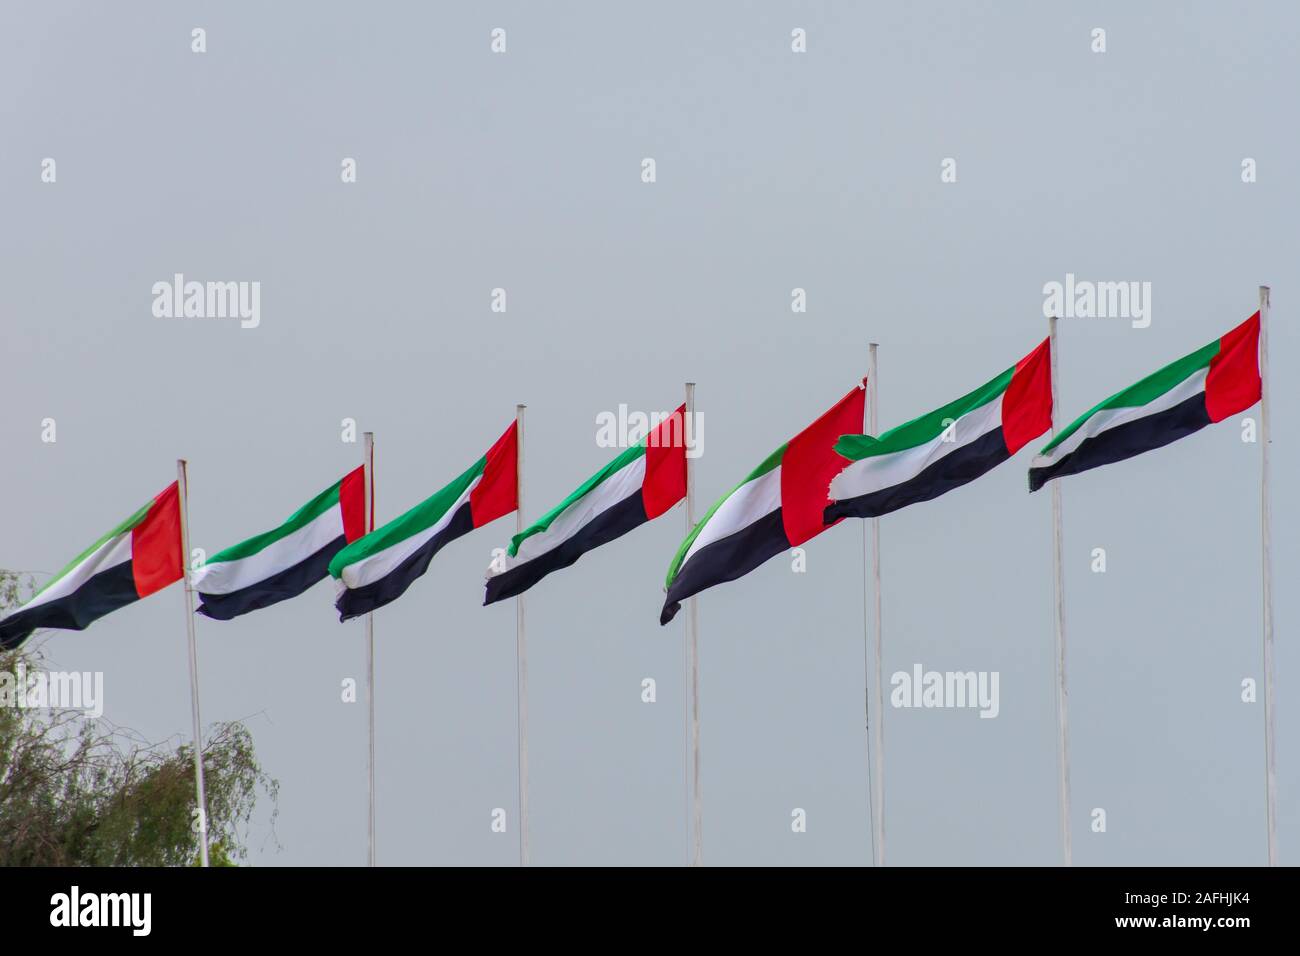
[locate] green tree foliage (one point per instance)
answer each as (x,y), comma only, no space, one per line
(79,792)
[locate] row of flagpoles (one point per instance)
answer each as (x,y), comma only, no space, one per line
(487,474)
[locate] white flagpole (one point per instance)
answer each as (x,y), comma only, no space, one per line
(368,463)
(1266,538)
(693,659)
(521,651)
(182,486)
(1058,567)
(878,734)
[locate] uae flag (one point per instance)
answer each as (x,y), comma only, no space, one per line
(638,485)
(947,448)
(1207,386)
(380,567)
(777,507)
(138,557)
(285,561)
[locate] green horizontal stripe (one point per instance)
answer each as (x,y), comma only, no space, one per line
(420,518)
(308,513)
(1149,388)
(768,464)
(926,428)
(124,527)
(544,522)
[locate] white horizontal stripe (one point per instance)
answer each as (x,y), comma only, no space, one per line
(1110,417)
(110,554)
(379,566)
(622,484)
(870,475)
(748,503)
(225,577)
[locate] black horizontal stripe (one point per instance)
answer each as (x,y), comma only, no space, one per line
(354,602)
(280,586)
(613,522)
(1127,440)
(726,559)
(101,594)
(960,466)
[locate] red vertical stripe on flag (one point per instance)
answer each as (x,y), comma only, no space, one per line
(352,502)
(810,463)
(497,493)
(665,465)
(1027,402)
(1232,385)
(156,559)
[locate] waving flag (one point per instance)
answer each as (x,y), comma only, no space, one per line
(378,568)
(778,506)
(282,563)
(138,557)
(637,486)
(1207,386)
(947,448)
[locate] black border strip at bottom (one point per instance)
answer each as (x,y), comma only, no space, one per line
(978,906)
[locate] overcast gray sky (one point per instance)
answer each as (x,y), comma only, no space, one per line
(775,170)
